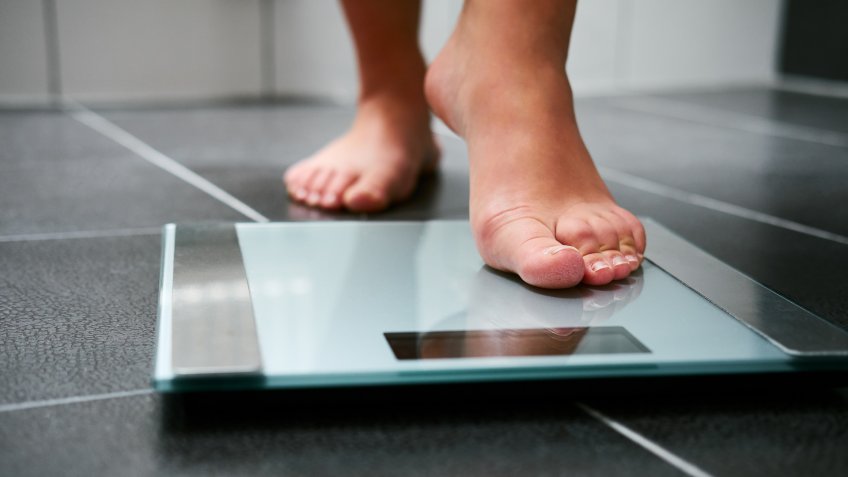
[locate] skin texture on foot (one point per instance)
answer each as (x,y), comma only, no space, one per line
(377,163)
(538,206)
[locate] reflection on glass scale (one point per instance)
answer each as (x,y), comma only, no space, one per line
(505,318)
(382,303)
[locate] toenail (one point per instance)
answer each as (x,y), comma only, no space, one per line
(598,266)
(314,198)
(301,194)
(330,198)
(618,261)
(632,258)
(559,248)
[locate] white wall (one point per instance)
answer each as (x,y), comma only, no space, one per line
(670,43)
(131,49)
(595,45)
(314,55)
(653,44)
(124,50)
(314,52)
(23,56)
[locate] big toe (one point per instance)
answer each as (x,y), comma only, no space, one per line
(528,248)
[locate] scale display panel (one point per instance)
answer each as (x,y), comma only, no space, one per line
(321,304)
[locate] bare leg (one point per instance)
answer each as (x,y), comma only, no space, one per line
(378,161)
(538,206)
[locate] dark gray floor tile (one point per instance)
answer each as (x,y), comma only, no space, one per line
(57,175)
(801,267)
(791,179)
(146,436)
(49,138)
(275,135)
(789,432)
(77,316)
(823,112)
(269,135)
(246,150)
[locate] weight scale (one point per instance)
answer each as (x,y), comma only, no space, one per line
(327,304)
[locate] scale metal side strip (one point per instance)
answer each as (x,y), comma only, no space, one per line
(213,324)
(788,326)
(162,361)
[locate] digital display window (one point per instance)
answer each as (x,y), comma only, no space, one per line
(513,342)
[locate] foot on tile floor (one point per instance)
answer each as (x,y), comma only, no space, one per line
(538,206)
(377,162)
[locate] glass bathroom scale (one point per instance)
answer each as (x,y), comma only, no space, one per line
(324,304)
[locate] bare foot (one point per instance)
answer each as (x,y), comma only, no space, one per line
(376,163)
(538,206)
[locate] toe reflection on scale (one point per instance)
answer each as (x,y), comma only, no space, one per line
(507,318)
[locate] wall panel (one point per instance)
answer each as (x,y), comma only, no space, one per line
(23,58)
(159,49)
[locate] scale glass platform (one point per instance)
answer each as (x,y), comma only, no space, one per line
(323,304)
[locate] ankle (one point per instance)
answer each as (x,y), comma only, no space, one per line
(395,75)
(393,109)
(459,90)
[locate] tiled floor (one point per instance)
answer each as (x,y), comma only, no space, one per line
(756,176)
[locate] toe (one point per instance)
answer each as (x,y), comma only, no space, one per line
(632,237)
(303,190)
(526,246)
(578,233)
(606,233)
(590,235)
(598,271)
(333,193)
(294,180)
(293,174)
(630,253)
(598,239)
(634,259)
(620,265)
(317,185)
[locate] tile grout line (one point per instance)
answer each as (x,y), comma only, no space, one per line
(155,157)
(81,234)
(73,400)
(730,119)
(684,466)
(645,185)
